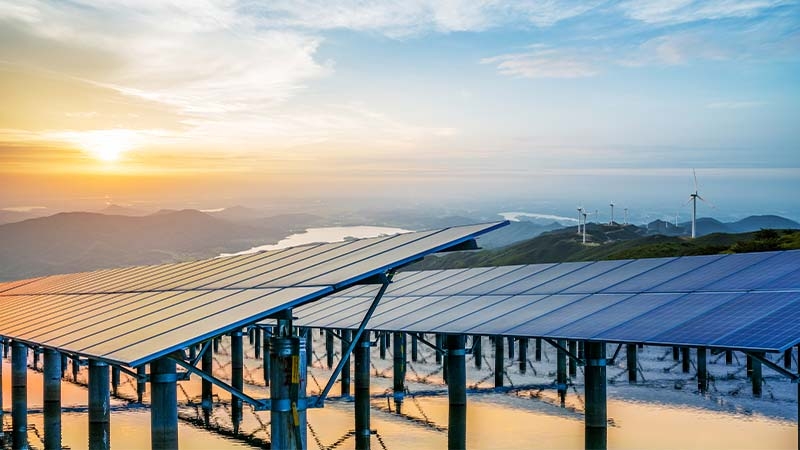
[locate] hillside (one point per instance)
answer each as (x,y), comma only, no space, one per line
(69,242)
(612,242)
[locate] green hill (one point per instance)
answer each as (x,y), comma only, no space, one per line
(612,242)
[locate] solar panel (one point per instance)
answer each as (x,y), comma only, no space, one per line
(477,278)
(544,305)
(705,275)
(572,312)
(778,330)
(617,275)
(765,273)
(586,273)
(540,277)
(134,315)
(455,282)
(494,286)
(673,270)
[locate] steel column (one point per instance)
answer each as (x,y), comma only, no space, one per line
(19,395)
(477,350)
(141,372)
(538,350)
(382,345)
(288,392)
(457,393)
(686,357)
(114,380)
(499,364)
(237,377)
(414,347)
(438,342)
(309,348)
(362,366)
(572,346)
(99,405)
(630,357)
(52,399)
(728,357)
(163,405)
(596,421)
(787,359)
(561,372)
(207,389)
(329,349)
(268,360)
(399,366)
(347,336)
(756,378)
(523,355)
(702,369)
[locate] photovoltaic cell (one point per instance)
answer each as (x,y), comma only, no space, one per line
(519,273)
(540,277)
(673,270)
(778,330)
(763,274)
(589,272)
(572,312)
(705,275)
(539,308)
(617,275)
(477,278)
(456,282)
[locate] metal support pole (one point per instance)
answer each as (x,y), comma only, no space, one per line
(538,350)
(756,378)
(329,348)
(457,393)
(728,357)
(237,377)
(36,353)
(399,366)
(52,400)
(787,359)
(510,347)
(439,345)
(414,347)
(499,365)
(215,345)
(76,368)
(561,372)
(581,351)
(257,342)
(19,395)
(676,353)
(3,354)
(141,371)
(309,347)
(596,421)
(749,366)
(382,345)
(288,390)
(523,355)
(686,359)
(64,361)
(347,336)
(163,405)
(630,356)
(362,392)
(702,369)
(477,350)
(267,338)
(99,406)
(572,346)
(114,380)
(207,389)
(251,336)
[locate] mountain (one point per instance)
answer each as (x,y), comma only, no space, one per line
(70,242)
(708,225)
(515,232)
(117,210)
(237,213)
(755,223)
(611,242)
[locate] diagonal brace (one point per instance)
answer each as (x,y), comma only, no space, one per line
(792,376)
(260,405)
(555,344)
(320,401)
(433,346)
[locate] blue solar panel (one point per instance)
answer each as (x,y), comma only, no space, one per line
(451,282)
(437,311)
(614,315)
(541,277)
(476,278)
(469,322)
(500,324)
(665,317)
(669,271)
(544,325)
(724,319)
(431,277)
(705,275)
(589,272)
(762,274)
(459,315)
(779,330)
(616,276)
(493,286)
(788,281)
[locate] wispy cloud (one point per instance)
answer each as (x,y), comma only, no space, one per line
(542,63)
(685,11)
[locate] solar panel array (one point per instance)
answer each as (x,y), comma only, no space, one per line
(133,315)
(748,301)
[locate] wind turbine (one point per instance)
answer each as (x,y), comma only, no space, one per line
(584,226)
(626,216)
(580,211)
(611,222)
(693,198)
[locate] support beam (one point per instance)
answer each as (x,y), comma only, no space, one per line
(457,393)
(64,361)
(438,343)
(702,369)
(288,389)
(676,353)
(756,377)
(237,377)
(572,346)
(362,392)
(631,357)
(749,366)
(561,372)
(309,348)
(414,347)
(52,400)
(686,358)
(538,350)
(163,405)
(477,350)
(141,373)
(399,372)
(19,395)
(347,336)
(596,420)
(207,389)
(329,348)
(382,345)
(99,406)
(114,380)
(257,342)
(510,347)
(728,357)
(499,364)
(787,359)
(267,338)
(523,355)
(76,368)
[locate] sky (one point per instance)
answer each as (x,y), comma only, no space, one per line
(556,102)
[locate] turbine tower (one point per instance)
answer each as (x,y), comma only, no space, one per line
(580,211)
(693,199)
(584,226)
(611,222)
(626,216)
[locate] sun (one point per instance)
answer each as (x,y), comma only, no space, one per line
(107,146)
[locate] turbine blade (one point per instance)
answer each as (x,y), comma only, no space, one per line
(695,179)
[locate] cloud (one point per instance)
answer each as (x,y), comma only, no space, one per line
(685,11)
(542,63)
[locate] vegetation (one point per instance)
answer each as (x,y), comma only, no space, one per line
(613,242)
